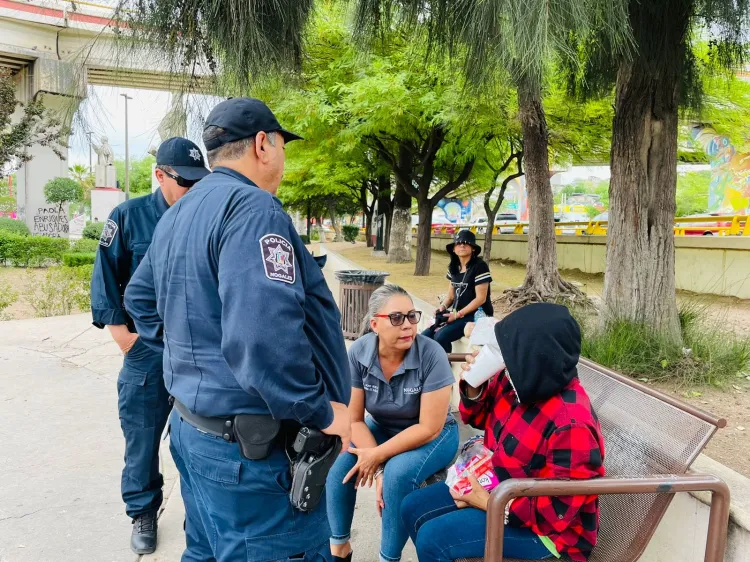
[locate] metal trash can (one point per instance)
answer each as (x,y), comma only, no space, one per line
(356,286)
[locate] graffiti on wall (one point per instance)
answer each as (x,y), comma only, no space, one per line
(729,191)
(50,221)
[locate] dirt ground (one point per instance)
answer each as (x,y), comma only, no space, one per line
(730,446)
(19,279)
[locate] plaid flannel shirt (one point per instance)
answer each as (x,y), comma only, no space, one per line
(558,438)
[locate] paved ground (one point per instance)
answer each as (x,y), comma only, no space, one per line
(61,452)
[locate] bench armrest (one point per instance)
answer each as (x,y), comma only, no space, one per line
(658,483)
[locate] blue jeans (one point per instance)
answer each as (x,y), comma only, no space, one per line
(449,333)
(238,510)
(143,404)
(443,533)
(403,474)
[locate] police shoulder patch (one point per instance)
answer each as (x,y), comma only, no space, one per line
(108,233)
(278,258)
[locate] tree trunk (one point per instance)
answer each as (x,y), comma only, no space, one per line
(639,283)
(399,246)
(487,252)
(368,228)
(385,206)
(424,234)
(309,224)
(334,221)
(543,281)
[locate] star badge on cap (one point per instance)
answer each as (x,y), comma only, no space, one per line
(194,154)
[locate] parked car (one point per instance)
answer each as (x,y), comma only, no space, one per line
(601,217)
(702,228)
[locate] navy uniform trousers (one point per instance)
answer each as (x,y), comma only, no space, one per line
(238,510)
(143,404)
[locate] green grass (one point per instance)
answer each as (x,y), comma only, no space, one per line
(710,354)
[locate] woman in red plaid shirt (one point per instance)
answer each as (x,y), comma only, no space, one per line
(539,423)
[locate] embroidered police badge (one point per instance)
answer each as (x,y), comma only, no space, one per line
(278,258)
(108,233)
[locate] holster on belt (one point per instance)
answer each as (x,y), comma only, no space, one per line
(316,453)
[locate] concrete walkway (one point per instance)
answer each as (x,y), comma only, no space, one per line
(61,453)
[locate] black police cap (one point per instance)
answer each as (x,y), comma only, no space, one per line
(184,157)
(242,118)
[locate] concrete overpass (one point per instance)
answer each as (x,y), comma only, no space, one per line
(57,48)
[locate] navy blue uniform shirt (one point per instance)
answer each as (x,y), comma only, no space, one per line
(125,238)
(240,308)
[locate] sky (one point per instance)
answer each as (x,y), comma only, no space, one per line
(103,114)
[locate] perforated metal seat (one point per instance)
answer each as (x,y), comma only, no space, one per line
(650,440)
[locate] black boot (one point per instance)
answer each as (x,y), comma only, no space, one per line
(347,558)
(143,539)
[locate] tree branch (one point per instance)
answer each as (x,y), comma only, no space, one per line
(454,184)
(507,180)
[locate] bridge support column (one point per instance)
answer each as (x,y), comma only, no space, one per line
(61,92)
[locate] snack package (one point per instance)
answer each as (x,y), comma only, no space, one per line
(474,457)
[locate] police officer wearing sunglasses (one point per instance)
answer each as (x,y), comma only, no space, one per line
(143,400)
(253,349)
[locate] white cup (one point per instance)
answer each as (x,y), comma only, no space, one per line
(486,364)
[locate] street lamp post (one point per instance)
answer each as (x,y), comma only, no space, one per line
(91,162)
(127,150)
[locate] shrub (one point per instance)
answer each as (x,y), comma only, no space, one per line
(305,238)
(33,251)
(14,226)
(62,290)
(93,230)
(78,259)
(7,297)
(84,246)
(709,354)
(351,231)
(314,235)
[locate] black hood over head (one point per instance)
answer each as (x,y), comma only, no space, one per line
(541,344)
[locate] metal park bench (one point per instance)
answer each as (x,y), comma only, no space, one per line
(651,439)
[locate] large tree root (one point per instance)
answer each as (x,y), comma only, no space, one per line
(556,290)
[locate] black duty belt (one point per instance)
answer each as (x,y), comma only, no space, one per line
(219,427)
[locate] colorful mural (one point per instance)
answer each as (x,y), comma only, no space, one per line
(729,192)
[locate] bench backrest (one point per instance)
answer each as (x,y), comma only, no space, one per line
(645,432)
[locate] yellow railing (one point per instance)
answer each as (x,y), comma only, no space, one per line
(732,225)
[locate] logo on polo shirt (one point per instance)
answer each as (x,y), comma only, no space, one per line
(412,390)
(371,387)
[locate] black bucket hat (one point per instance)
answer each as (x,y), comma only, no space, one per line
(464,237)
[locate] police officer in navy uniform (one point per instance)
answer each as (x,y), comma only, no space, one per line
(249,329)
(143,400)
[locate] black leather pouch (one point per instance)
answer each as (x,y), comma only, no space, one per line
(256,435)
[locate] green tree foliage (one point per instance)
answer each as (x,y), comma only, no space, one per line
(692,193)
(140,174)
(36,126)
(521,38)
(83,176)
(370,114)
(63,190)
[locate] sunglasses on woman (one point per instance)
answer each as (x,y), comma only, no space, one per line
(182,182)
(397,318)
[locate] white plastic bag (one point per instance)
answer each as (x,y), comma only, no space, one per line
(484,331)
